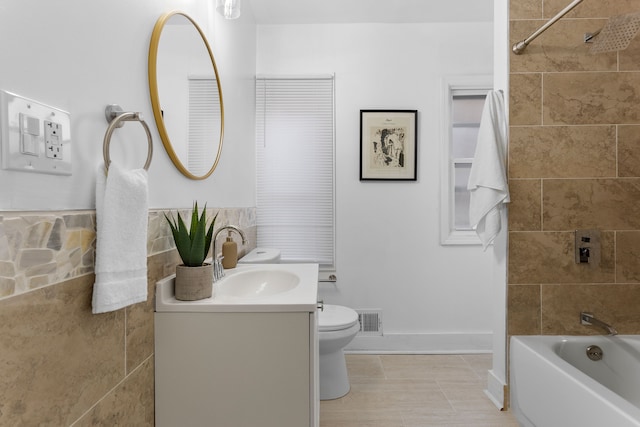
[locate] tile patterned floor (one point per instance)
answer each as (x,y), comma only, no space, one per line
(415,391)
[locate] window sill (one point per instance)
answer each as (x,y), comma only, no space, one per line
(461,238)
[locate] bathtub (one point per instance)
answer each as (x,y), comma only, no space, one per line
(554,383)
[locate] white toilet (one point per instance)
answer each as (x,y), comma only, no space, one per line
(261,256)
(337,326)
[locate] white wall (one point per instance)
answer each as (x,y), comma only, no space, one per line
(81,55)
(433,298)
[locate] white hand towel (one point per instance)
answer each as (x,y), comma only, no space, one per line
(121,238)
(488,178)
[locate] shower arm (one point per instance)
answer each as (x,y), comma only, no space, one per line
(519,47)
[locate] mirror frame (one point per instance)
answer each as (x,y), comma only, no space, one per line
(155,97)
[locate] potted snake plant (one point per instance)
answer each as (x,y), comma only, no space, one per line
(194,277)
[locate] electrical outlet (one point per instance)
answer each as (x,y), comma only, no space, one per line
(53,140)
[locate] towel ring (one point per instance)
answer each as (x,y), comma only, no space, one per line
(115,116)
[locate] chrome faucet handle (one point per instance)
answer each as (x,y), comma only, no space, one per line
(218,269)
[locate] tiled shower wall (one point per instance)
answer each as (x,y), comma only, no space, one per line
(574,163)
(60,364)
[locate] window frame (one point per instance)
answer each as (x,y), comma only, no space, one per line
(471,85)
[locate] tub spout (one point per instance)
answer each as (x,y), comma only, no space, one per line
(588,319)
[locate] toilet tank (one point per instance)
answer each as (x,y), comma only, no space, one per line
(261,256)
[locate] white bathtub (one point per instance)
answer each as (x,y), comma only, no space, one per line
(554,383)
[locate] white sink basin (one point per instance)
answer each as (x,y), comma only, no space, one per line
(250,288)
(256,284)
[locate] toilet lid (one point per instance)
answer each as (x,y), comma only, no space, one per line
(336,317)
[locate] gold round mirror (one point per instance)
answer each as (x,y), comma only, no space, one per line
(186,95)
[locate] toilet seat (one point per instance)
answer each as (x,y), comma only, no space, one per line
(336,318)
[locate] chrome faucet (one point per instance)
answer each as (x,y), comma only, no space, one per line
(588,319)
(218,270)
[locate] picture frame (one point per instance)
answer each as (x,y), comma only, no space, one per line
(388,145)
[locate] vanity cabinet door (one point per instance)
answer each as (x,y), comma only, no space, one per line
(234,369)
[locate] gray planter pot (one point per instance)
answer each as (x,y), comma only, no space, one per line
(194,283)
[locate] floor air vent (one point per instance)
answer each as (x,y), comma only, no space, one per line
(370,322)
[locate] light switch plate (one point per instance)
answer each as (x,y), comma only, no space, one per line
(29,133)
(35,137)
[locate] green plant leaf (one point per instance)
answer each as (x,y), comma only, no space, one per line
(183,242)
(209,238)
(192,243)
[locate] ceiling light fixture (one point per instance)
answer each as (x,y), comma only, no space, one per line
(230,9)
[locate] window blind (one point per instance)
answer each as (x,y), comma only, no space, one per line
(204,124)
(295,168)
(466,111)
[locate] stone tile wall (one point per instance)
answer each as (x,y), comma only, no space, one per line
(61,365)
(574,163)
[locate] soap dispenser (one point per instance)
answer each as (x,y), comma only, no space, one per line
(229,252)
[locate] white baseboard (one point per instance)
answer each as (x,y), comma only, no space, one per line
(495,390)
(422,344)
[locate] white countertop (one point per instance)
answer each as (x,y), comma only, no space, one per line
(303,297)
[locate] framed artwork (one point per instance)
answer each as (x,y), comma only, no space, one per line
(388,145)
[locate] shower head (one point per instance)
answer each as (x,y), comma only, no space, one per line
(616,34)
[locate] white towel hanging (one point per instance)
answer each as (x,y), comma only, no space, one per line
(121,238)
(488,178)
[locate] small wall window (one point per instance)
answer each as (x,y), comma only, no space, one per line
(463,101)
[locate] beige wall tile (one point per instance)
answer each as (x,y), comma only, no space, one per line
(57,358)
(47,248)
(139,327)
(51,247)
(7,286)
(129,404)
(605,204)
(549,257)
(560,48)
(525,9)
(525,209)
(628,257)
(629,151)
(7,269)
(589,180)
(524,309)
(630,57)
(590,9)
(613,304)
(525,99)
(591,98)
(562,152)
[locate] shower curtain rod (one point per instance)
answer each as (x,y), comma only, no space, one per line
(519,47)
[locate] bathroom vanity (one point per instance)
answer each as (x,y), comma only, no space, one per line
(248,356)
